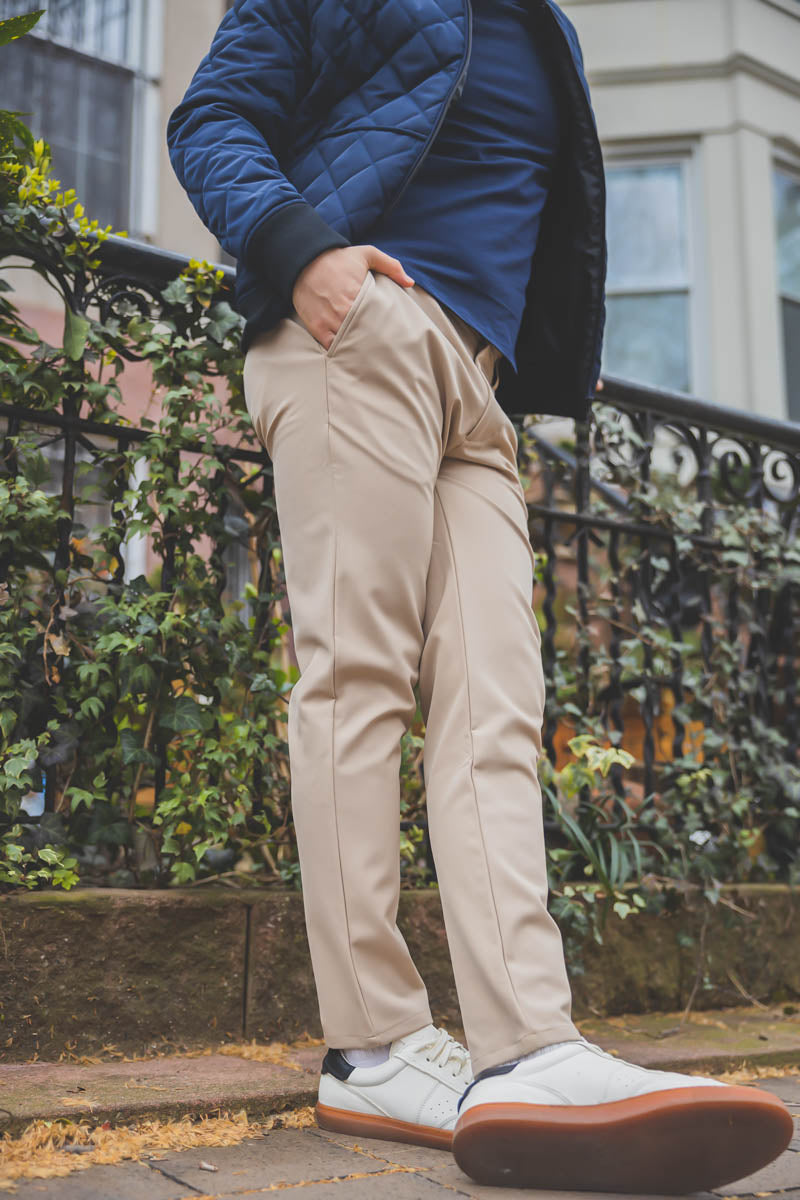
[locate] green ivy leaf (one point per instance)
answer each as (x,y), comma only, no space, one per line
(76,332)
(184,714)
(16,27)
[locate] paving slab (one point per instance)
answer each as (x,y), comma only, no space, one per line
(394,1185)
(779,1176)
(439,1167)
(320,1165)
(395,1153)
(127,1181)
(286,1156)
(788,1088)
(453,1177)
(170,1086)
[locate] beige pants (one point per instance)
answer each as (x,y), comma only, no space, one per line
(407,558)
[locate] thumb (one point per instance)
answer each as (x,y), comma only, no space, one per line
(379,261)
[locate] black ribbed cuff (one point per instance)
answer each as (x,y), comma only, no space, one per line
(287,242)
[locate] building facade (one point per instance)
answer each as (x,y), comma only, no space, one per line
(698,108)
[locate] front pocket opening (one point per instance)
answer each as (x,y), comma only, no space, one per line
(349,315)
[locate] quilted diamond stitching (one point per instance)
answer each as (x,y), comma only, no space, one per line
(228,139)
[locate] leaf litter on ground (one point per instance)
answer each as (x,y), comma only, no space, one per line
(49,1149)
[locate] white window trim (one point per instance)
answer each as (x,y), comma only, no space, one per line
(789,164)
(146,135)
(786,165)
(685,154)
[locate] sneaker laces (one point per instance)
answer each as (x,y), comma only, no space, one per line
(442,1048)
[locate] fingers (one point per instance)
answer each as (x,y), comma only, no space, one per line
(377,260)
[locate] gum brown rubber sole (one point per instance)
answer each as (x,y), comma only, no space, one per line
(665,1142)
(341,1120)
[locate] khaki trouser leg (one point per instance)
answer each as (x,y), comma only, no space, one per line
(407,558)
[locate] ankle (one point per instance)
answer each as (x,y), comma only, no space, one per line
(371,1057)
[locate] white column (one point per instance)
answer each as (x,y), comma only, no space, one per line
(765,390)
(730,364)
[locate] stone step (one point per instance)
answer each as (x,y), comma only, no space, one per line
(285,1076)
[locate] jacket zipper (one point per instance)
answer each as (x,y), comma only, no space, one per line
(453,95)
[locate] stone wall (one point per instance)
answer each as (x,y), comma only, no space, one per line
(187,969)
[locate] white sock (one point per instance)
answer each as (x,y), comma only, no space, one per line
(541,1050)
(367,1058)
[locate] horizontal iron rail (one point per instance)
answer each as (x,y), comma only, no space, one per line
(35,416)
(637,398)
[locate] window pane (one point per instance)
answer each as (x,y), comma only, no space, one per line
(787,216)
(647,340)
(91,135)
(113,29)
(791,340)
(99,27)
(646,227)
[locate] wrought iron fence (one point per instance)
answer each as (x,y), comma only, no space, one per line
(618,556)
(587,505)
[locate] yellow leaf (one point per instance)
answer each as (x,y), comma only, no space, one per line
(59,644)
(183,828)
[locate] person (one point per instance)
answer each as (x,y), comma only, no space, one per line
(414,196)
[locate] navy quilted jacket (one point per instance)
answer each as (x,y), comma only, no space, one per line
(307,119)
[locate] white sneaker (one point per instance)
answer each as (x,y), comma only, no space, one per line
(578,1119)
(412,1097)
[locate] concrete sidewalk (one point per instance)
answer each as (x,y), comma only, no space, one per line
(259,1081)
(270,1078)
(323,1166)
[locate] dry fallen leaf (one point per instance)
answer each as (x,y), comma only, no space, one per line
(42,1150)
(276,1053)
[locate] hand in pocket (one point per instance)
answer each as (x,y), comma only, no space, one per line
(327,287)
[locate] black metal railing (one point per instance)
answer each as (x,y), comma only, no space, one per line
(597,504)
(714,461)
